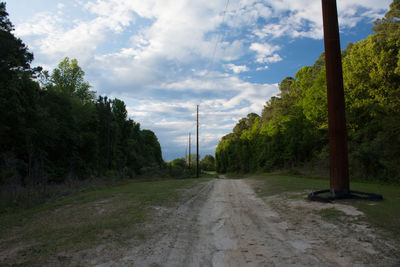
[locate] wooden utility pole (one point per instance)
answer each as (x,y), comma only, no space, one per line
(189,150)
(108,142)
(338,158)
(197,136)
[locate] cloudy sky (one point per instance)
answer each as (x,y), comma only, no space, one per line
(163,57)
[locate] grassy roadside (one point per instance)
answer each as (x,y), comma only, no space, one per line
(382,214)
(44,234)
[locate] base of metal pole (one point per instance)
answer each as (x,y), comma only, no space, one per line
(329,195)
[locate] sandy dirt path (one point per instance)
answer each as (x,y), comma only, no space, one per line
(223,223)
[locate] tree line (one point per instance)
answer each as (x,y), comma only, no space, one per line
(54,129)
(293,127)
(181,168)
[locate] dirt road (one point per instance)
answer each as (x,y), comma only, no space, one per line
(223,223)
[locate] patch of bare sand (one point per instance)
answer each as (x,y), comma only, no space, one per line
(317,206)
(345,240)
(223,223)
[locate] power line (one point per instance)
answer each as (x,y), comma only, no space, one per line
(219,36)
(242,31)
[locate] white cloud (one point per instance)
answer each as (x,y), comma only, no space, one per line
(272,59)
(262,68)
(76,38)
(266,52)
(41,24)
(172,119)
(181,31)
(237,68)
(161,58)
(303,18)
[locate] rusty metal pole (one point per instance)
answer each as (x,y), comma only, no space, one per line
(197,135)
(338,158)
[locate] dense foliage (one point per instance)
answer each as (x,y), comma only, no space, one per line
(180,168)
(292,128)
(52,129)
(207,163)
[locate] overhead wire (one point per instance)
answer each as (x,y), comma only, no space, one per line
(217,42)
(218,36)
(234,23)
(211,64)
(243,27)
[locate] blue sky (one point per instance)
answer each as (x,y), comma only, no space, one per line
(163,57)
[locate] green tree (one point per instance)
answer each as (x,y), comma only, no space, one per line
(371,79)
(14,55)
(293,130)
(19,112)
(53,130)
(68,78)
(208,163)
